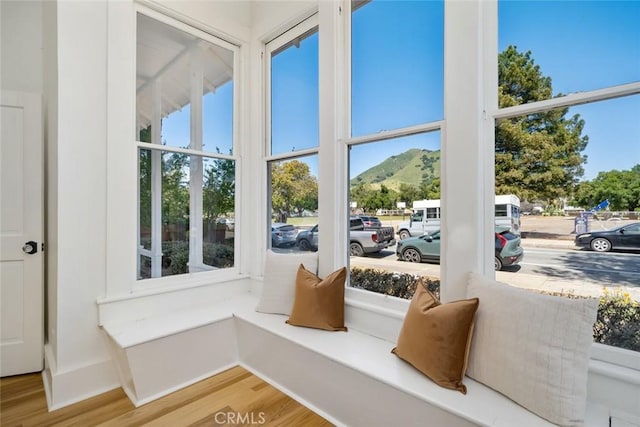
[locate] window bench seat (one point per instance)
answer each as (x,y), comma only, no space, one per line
(350,378)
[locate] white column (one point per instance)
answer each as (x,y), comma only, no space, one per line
(195,162)
(467,152)
(156,180)
(332,158)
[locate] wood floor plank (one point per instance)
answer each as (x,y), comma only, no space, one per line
(234,397)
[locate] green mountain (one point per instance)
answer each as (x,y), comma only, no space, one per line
(412,167)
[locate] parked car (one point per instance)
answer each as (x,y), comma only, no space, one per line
(283,235)
(427,248)
(362,240)
(227,222)
(626,237)
(370,221)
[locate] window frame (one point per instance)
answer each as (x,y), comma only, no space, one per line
(481,18)
(601,352)
(122,154)
(348,141)
(304,27)
(184,280)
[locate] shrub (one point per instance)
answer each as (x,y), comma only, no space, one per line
(617,323)
(218,255)
(175,256)
(401,285)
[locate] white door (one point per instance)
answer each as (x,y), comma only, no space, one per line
(21,221)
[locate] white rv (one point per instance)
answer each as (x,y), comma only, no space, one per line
(426,216)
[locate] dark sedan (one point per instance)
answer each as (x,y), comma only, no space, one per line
(626,237)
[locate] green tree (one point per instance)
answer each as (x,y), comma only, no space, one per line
(219,190)
(538,155)
(621,188)
(408,193)
(371,199)
(293,189)
(431,189)
(175,189)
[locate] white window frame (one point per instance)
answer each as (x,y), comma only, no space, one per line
(606,353)
(347,140)
(471,34)
(122,154)
(211,275)
(305,26)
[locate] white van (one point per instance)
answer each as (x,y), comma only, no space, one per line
(426,216)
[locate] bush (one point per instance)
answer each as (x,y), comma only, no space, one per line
(402,285)
(617,323)
(218,255)
(175,255)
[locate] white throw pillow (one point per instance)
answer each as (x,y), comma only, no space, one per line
(533,348)
(279,286)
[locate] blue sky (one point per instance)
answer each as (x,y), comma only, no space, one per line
(585,45)
(581,45)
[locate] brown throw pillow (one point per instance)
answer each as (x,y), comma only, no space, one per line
(435,337)
(319,303)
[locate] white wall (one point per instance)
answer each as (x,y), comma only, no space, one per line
(50,110)
(78,362)
(21,45)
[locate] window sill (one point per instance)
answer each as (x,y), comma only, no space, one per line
(203,290)
(149,287)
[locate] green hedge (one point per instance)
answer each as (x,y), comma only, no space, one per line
(617,324)
(175,255)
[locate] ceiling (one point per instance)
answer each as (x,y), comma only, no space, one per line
(165,55)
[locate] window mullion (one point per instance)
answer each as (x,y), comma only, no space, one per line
(156,181)
(195,162)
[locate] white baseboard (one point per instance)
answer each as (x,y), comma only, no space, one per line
(63,388)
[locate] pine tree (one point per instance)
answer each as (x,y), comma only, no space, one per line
(537,156)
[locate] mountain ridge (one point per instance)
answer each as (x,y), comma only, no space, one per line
(413,167)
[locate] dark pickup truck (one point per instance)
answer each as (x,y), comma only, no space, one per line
(362,240)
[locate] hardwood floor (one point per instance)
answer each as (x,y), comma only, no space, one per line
(232,398)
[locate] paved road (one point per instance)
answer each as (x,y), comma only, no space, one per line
(556,270)
(610,267)
(549,265)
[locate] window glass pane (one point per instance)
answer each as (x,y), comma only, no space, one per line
(396,64)
(396,181)
(294,95)
(173,68)
(584,46)
(217,132)
(577,173)
(186,211)
(294,204)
